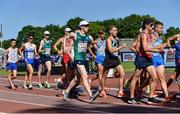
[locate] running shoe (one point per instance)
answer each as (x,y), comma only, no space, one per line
(30,86)
(94,96)
(40,86)
(47,85)
(66,96)
(132,101)
(25,86)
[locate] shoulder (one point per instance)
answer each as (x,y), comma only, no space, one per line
(42,41)
(25,45)
(8,49)
(108,39)
(143,35)
(34,45)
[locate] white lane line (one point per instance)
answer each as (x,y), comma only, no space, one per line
(44,105)
(28,94)
(115,103)
(112,103)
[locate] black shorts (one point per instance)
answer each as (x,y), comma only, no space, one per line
(177,61)
(142,62)
(71,65)
(44,58)
(111,62)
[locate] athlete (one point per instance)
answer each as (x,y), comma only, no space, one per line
(30,52)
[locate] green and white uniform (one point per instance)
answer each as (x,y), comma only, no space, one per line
(80,48)
(45,55)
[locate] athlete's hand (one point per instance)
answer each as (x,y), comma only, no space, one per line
(22,57)
(177,35)
(94,56)
(72,35)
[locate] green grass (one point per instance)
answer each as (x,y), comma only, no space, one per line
(3,72)
(129,67)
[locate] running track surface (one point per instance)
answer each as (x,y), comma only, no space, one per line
(46,100)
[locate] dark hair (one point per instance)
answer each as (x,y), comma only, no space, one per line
(111,27)
(101,31)
(12,40)
(146,22)
(31,34)
(158,23)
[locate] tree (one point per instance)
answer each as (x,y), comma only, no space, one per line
(172,31)
(6,44)
(128,27)
(74,23)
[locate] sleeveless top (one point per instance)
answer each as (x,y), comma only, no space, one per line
(29,51)
(80,46)
(101,46)
(157,42)
(67,44)
(150,44)
(46,47)
(13,55)
(114,44)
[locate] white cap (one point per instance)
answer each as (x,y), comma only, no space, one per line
(67,30)
(84,22)
(46,32)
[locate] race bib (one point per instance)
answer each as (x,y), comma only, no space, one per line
(30,55)
(82,47)
(47,51)
(13,57)
(102,51)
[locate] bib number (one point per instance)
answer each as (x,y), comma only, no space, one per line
(30,55)
(82,47)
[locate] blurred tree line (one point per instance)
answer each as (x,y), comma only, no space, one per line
(128,27)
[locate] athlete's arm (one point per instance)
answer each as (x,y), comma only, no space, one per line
(111,49)
(73,36)
(90,50)
(57,43)
(174,37)
(36,53)
(40,47)
(21,51)
(95,44)
(60,41)
(5,55)
(133,46)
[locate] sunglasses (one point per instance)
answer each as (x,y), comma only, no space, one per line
(151,25)
(46,34)
(31,38)
(86,25)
